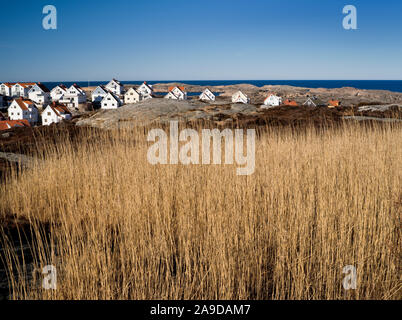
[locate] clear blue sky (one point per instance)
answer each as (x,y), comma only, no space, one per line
(200,40)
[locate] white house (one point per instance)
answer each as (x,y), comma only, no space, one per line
(99,93)
(57,92)
(21,89)
(145,90)
(111,101)
(23,109)
(176,93)
(240,97)
(74,97)
(273,100)
(55,113)
(132,96)
(39,94)
(5,88)
(116,87)
(207,95)
(314,102)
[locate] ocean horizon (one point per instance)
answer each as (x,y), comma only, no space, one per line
(390,85)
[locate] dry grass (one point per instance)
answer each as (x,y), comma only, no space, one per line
(123,229)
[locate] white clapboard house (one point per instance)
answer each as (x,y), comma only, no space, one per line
(240,97)
(23,109)
(145,90)
(207,95)
(132,96)
(58,92)
(21,89)
(111,101)
(74,97)
(116,87)
(273,100)
(5,88)
(55,113)
(176,93)
(39,94)
(314,102)
(99,93)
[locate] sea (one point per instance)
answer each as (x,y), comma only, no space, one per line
(391,85)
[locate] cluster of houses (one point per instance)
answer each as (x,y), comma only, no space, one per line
(113,95)
(25,99)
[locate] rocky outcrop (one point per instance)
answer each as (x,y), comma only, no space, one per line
(163,110)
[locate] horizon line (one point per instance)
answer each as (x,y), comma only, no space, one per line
(172,80)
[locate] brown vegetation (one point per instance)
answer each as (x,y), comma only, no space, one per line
(117,227)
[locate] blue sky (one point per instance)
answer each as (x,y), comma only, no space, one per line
(200,40)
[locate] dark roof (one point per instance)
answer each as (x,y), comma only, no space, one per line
(43,87)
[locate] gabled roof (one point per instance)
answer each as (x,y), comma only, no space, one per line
(271,94)
(146,84)
(114,80)
(241,93)
(182,89)
(61,86)
(106,90)
(316,102)
(23,103)
(77,87)
(26,84)
(113,95)
(132,88)
(59,109)
(205,92)
(9,84)
(8,124)
(43,87)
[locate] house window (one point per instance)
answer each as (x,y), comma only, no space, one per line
(48,113)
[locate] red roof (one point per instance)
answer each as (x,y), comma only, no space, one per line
(8,124)
(334,103)
(26,84)
(9,84)
(23,103)
(181,88)
(59,108)
(290,103)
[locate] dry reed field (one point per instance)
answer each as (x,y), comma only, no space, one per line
(121,228)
